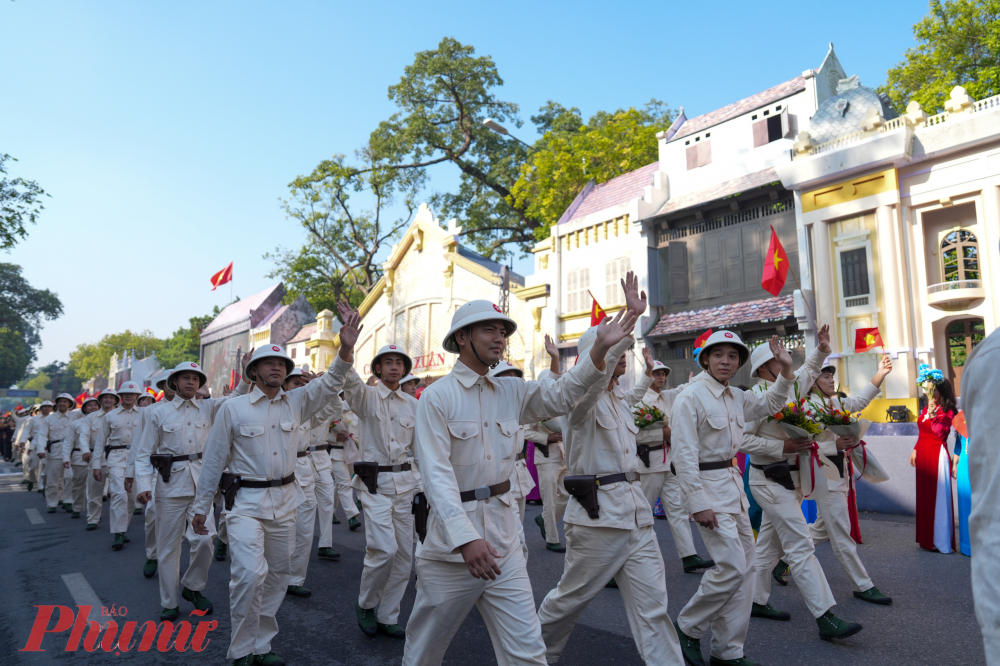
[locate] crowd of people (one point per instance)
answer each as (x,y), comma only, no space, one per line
(441,480)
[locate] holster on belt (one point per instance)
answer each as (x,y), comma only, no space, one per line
(584,489)
(420,510)
(838,460)
(544,448)
(780,473)
(229,484)
(642,450)
(162,463)
(368,472)
(48,449)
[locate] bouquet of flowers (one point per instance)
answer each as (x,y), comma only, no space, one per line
(798,419)
(839,421)
(648,417)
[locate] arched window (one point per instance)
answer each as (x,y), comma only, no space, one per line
(960,256)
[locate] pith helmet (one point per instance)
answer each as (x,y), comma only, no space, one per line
(296,372)
(161,379)
(47,402)
(394,349)
(409,378)
(506,366)
(723,338)
(89,398)
(269,351)
(586,341)
(659,366)
(66,396)
(471,313)
(761,355)
(828,364)
(130,387)
(186,366)
(112,393)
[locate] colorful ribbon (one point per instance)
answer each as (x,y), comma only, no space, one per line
(813,459)
(864,457)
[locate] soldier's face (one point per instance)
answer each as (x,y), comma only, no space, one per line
(294,382)
(63,405)
(489,337)
(827,383)
(145,401)
(90,407)
(128,399)
(46,410)
(723,361)
(659,378)
(168,394)
(272,370)
(621,366)
(107,402)
(392,367)
(187,384)
(410,387)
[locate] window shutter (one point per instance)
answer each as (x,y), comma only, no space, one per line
(786,125)
(760,133)
(692,157)
(704,153)
(677,257)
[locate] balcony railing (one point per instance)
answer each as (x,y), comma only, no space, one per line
(955,295)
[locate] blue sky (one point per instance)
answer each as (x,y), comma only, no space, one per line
(167,132)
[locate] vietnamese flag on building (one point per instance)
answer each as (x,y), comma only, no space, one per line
(223,276)
(775,266)
(596,312)
(867,338)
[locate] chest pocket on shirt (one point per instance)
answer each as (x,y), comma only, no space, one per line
(202,424)
(718,422)
(287,426)
(607,422)
(115,431)
(508,437)
(172,435)
(632,427)
(406,424)
(464,450)
(250,438)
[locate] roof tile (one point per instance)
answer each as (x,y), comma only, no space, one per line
(735,109)
(616,191)
(697,321)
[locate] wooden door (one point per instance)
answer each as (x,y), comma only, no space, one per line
(962,336)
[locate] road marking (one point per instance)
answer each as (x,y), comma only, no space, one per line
(34,516)
(83,594)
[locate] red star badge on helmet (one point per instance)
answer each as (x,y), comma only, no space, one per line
(497,308)
(275,349)
(729,335)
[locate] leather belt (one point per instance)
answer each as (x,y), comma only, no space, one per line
(320,447)
(271,483)
(521,456)
(188,456)
(301,454)
(658,447)
(74,450)
(109,449)
(335,446)
(718,464)
(631,477)
(405,467)
(485,492)
(791,468)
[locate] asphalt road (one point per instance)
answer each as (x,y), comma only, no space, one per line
(931,622)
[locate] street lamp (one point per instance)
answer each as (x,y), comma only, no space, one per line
(489,123)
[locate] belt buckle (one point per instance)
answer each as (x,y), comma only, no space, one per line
(630,476)
(483,493)
(274,483)
(397,468)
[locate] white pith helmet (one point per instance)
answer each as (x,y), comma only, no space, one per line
(269,351)
(659,366)
(47,402)
(111,392)
(186,366)
(586,341)
(147,394)
(67,396)
(130,387)
(761,355)
(472,313)
(89,398)
(409,378)
(296,372)
(506,366)
(161,379)
(724,338)
(393,349)
(828,363)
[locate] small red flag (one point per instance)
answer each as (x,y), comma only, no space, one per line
(775,266)
(223,276)
(867,338)
(700,342)
(596,313)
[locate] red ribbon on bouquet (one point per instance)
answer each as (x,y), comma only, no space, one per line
(813,459)
(864,457)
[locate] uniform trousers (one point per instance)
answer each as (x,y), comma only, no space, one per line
(783,528)
(344,494)
(446,592)
(95,496)
(833,524)
(54,481)
(664,485)
(389,552)
(595,555)
(325,498)
(172,526)
(261,553)
(149,520)
(78,487)
(32,467)
(69,474)
(305,524)
(554,496)
(24,465)
(223,531)
(725,596)
(122,502)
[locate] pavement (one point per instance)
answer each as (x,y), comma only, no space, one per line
(49,559)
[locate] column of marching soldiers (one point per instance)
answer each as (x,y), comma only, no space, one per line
(277,455)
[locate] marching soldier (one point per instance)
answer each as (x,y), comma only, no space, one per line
(325,488)
(467,423)
(707,431)
(384,477)
(49,439)
(89,438)
(118,428)
(657,469)
(79,457)
(254,436)
(521,484)
(33,462)
(343,441)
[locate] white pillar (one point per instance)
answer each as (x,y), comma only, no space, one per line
(897,385)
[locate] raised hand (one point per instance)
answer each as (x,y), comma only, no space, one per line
(823,339)
(351,329)
(550,346)
(784,358)
(610,332)
(647,356)
(634,300)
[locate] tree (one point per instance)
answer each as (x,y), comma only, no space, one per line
(185,343)
(958,45)
(93,359)
(63,379)
(20,204)
(22,311)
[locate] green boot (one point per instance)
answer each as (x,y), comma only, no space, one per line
(52,509)
(742,661)
(24,481)
(137,511)
(75,514)
(690,648)
(778,573)
(149,568)
(613,584)
(328,554)
(91,527)
(391,630)
(873,596)
(221,550)
(353,524)
(298,591)
(366,620)
(769,612)
(541,525)
(67,507)
(244,661)
(200,601)
(170,614)
(692,563)
(357,503)
(31,485)
(336,521)
(125,536)
(119,542)
(831,626)
(555,547)
(269,659)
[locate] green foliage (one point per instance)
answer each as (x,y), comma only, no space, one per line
(571,153)
(63,379)
(958,44)
(20,204)
(185,343)
(92,359)
(315,274)
(22,311)
(39,382)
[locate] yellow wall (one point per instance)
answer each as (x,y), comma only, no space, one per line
(876,409)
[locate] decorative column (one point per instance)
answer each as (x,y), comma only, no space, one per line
(897,385)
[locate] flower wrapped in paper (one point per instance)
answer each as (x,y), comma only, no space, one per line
(647,417)
(838,421)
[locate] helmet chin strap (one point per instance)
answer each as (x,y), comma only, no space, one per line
(478,357)
(258,378)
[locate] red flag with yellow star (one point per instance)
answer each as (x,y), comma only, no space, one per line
(775,266)
(222,277)
(597,313)
(866,339)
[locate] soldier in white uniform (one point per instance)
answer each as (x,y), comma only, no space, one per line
(467,423)
(521,483)
(658,476)
(32,461)
(707,430)
(550,462)
(118,429)
(409,385)
(322,468)
(79,457)
(89,436)
(343,441)
(254,435)
(49,441)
